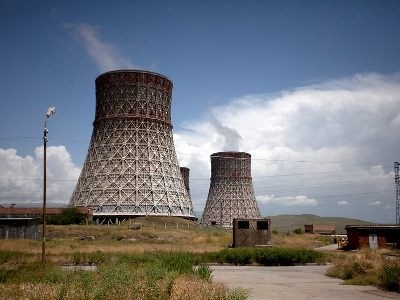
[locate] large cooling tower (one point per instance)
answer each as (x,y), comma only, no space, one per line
(131,168)
(231,193)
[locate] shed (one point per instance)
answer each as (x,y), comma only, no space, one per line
(373,236)
(321,229)
(251,232)
(19,228)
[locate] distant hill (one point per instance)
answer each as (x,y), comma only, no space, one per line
(285,223)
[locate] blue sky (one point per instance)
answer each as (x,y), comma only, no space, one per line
(294,83)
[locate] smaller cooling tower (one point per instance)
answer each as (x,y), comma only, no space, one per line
(231,193)
(185,176)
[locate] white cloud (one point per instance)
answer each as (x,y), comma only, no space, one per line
(334,142)
(105,54)
(21,178)
(288,200)
(343,202)
(375,203)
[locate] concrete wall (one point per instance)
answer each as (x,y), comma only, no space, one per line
(19,228)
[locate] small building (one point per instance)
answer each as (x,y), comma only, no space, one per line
(320,229)
(251,232)
(37,212)
(373,236)
(19,228)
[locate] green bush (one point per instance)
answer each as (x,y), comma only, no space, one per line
(204,272)
(390,276)
(78,258)
(264,256)
(96,257)
(238,256)
(298,231)
(68,216)
(180,262)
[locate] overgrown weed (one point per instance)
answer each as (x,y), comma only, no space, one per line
(157,275)
(367,267)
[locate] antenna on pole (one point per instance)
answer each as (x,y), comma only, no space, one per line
(397,183)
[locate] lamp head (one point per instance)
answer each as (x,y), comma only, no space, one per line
(50,111)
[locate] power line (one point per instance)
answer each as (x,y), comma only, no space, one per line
(16,138)
(264,159)
(207,179)
(35,179)
(315,173)
(355,194)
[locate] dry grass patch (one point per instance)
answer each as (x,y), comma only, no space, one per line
(156,234)
(37,291)
(305,240)
(367,267)
(190,288)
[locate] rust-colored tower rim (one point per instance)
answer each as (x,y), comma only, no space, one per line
(155,106)
(230,165)
(134,71)
(231,154)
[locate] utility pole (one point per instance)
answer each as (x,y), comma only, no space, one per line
(397,183)
(49,113)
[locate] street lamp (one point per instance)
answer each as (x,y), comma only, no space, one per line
(50,112)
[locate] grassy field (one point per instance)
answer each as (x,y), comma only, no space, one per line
(155,234)
(165,234)
(154,262)
(157,261)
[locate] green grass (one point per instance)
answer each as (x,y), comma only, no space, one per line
(127,276)
(204,272)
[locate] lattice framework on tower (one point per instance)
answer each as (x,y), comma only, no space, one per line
(131,167)
(231,193)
